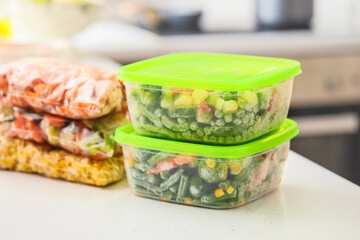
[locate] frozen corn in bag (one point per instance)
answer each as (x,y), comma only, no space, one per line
(26,156)
(61,88)
(91,137)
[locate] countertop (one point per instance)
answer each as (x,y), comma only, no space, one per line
(126,43)
(312,203)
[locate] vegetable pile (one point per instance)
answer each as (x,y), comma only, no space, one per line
(216,117)
(204,181)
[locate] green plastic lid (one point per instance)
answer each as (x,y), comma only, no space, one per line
(210,71)
(127,136)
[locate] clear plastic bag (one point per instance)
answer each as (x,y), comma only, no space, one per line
(26,156)
(61,88)
(91,137)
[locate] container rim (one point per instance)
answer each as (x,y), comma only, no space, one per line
(126,135)
(256,74)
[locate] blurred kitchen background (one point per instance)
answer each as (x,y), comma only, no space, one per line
(324,35)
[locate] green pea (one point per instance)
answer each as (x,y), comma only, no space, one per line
(194,126)
(218,113)
(200,132)
(220,122)
(207,130)
(237,121)
(181,120)
(240,113)
(228,117)
(223,185)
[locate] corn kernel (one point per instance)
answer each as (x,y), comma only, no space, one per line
(210,163)
(188,200)
(163,197)
(219,192)
(230,190)
(56,163)
(131,162)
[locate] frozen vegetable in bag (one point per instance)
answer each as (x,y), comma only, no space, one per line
(61,88)
(26,156)
(90,137)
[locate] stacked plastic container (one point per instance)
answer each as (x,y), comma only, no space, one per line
(207,129)
(58,119)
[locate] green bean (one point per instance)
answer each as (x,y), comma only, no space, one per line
(164,175)
(142,109)
(136,174)
(183,186)
(174,126)
(157,158)
(142,166)
(211,198)
(213,174)
(174,188)
(155,131)
(153,179)
(165,185)
(197,187)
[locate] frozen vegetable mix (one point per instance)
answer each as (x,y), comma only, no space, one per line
(209,98)
(26,156)
(89,137)
(203,175)
(58,119)
(61,88)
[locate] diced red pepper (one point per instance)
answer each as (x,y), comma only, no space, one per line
(204,107)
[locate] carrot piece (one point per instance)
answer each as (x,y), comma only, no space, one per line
(183,159)
(166,164)
(128,153)
(99,156)
(64,109)
(54,121)
(41,89)
(87,106)
(30,94)
(178,90)
(19,122)
(154,171)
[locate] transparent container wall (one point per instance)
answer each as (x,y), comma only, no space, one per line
(90,137)
(26,156)
(204,181)
(215,117)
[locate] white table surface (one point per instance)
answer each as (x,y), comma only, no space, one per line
(312,203)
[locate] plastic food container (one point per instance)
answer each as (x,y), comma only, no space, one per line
(209,98)
(89,137)
(27,156)
(203,175)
